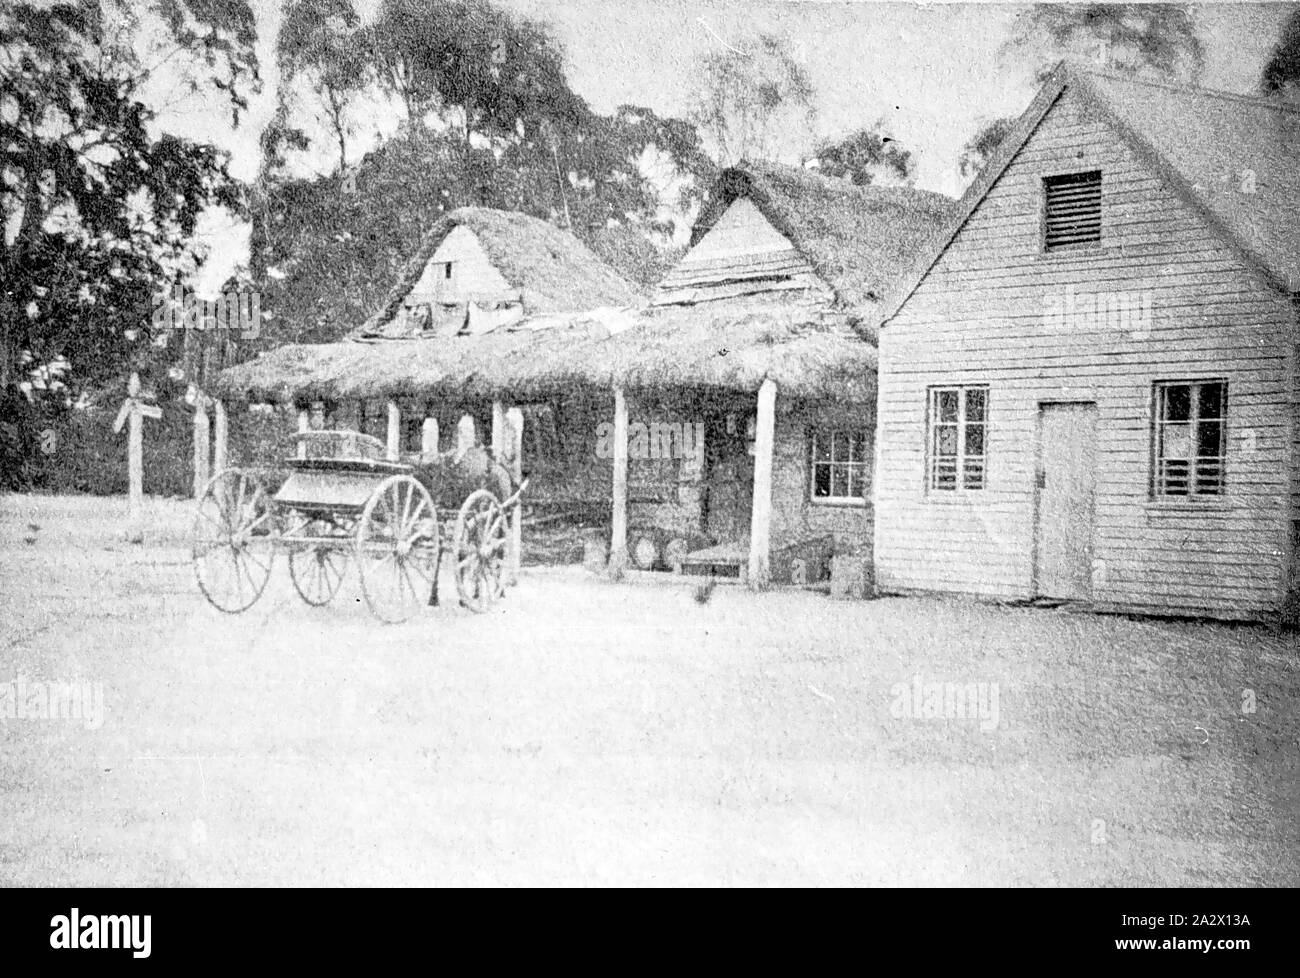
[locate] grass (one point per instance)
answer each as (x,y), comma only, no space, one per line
(588,732)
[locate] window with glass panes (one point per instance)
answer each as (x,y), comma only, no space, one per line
(841,465)
(1188,443)
(958,422)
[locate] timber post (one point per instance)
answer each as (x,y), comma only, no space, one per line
(393,443)
(618,529)
(202,443)
(515,426)
(760,523)
(466,436)
(220,436)
(429,435)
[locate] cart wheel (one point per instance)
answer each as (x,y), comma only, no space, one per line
(234,540)
(317,573)
(480,550)
(397,548)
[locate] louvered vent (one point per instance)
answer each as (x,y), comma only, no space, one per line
(1073,210)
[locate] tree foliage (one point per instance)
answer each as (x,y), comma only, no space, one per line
(98,209)
(1154,39)
(1281,74)
(492,122)
(471,63)
(866,156)
(322,45)
(751,97)
(982,145)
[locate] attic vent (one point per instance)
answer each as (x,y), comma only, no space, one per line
(1072,211)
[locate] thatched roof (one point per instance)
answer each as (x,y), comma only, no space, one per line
(728,346)
(860,240)
(1234,160)
(553,271)
(584,326)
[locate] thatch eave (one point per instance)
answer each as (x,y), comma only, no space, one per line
(731,348)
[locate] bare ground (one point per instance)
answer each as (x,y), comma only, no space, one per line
(595,733)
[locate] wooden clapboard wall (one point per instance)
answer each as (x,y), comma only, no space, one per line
(473,276)
(978,317)
(741,254)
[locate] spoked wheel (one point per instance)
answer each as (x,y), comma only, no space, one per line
(234,535)
(397,548)
(480,551)
(317,573)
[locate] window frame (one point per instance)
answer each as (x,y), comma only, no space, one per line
(1191,497)
(1077,248)
(865,466)
(959,487)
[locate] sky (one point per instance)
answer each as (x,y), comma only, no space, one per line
(931,73)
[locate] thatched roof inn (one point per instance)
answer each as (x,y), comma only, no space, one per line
(785,270)
(566,318)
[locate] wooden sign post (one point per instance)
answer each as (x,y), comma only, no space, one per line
(133,409)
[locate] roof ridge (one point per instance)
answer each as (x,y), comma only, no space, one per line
(1187,88)
(758,167)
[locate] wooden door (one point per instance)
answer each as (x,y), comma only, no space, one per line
(729,479)
(1067,458)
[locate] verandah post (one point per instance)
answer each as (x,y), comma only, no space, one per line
(760,523)
(393,444)
(202,443)
(429,434)
(498,428)
(220,436)
(466,434)
(515,425)
(507,426)
(618,531)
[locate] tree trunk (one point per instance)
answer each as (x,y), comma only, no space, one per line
(336,120)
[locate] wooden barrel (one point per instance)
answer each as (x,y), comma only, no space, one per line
(645,551)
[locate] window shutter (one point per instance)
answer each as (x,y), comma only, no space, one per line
(1073,209)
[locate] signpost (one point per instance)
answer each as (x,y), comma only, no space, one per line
(133,410)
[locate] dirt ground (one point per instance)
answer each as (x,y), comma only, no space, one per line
(587,732)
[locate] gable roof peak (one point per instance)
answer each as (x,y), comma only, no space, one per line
(553,271)
(1193,139)
(859,239)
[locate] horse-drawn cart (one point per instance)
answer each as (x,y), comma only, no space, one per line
(344,501)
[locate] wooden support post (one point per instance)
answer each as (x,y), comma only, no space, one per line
(202,444)
(304,424)
(499,439)
(515,425)
(760,522)
(429,436)
(505,448)
(618,532)
(393,444)
(220,437)
(466,436)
